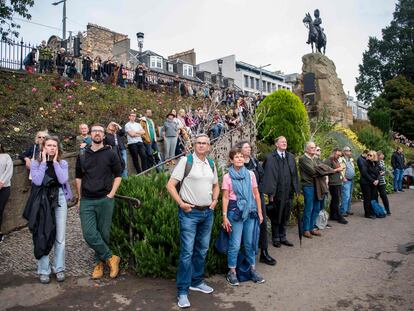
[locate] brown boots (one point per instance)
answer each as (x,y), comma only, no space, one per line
(113,264)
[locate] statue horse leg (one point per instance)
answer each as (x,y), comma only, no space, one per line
(312,45)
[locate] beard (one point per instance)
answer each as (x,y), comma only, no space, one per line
(97,139)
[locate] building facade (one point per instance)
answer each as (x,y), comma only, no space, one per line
(359,109)
(246,77)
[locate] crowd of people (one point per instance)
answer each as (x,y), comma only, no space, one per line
(400,138)
(252,194)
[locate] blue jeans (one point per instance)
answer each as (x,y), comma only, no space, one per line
(240,229)
(312,208)
(43,264)
(216,129)
(125,157)
(398,178)
(195,232)
(150,148)
(346,197)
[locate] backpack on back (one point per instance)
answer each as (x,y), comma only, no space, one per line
(188,166)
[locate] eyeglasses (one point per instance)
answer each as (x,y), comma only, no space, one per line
(203,143)
(97,131)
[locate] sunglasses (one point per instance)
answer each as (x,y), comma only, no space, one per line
(318,149)
(41,137)
(370,155)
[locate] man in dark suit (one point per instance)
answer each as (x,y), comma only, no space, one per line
(365,182)
(280,183)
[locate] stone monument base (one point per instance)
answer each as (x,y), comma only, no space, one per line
(321,90)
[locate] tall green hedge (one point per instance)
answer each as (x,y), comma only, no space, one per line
(153,248)
(283,113)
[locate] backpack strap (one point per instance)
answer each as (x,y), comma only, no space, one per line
(188,166)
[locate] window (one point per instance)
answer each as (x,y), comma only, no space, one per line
(269,87)
(257,84)
(156,62)
(187,70)
(251,82)
(170,67)
(264,86)
(246,81)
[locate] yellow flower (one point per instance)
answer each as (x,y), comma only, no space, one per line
(93,88)
(351,135)
(80,103)
(16,129)
(41,109)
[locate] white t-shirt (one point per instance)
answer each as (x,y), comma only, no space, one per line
(197,187)
(134,126)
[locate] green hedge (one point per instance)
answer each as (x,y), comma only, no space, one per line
(153,249)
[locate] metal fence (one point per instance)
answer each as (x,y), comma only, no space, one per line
(13,53)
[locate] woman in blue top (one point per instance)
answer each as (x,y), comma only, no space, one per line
(241,214)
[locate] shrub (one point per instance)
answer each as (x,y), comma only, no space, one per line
(373,138)
(283,113)
(148,238)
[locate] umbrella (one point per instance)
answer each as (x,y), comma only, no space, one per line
(300,231)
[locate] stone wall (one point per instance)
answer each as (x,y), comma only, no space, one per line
(100,41)
(12,218)
(328,97)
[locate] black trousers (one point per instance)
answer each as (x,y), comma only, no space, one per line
(383,194)
(4,196)
(279,217)
(367,197)
(138,149)
(335,191)
(263,225)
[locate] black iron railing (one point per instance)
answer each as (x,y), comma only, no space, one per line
(12,54)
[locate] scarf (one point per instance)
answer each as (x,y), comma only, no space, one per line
(242,187)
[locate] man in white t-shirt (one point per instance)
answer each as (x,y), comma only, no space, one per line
(197,199)
(136,146)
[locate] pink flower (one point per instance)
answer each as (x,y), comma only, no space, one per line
(34,90)
(70,97)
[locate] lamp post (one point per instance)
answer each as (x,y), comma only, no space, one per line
(140,38)
(220,71)
(64,17)
(261,78)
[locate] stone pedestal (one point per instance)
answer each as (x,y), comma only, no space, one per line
(321,90)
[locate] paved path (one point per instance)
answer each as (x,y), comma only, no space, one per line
(365,265)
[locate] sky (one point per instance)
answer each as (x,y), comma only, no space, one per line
(258,32)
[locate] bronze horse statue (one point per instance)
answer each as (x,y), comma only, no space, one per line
(316,34)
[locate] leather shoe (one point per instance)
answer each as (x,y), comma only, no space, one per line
(316,232)
(276,244)
(266,258)
(370,216)
(287,243)
(342,221)
(307,234)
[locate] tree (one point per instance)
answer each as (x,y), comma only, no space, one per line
(394,108)
(283,114)
(389,57)
(8,9)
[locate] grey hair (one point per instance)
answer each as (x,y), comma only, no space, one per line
(202,135)
(308,144)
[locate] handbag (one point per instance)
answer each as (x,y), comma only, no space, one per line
(378,209)
(322,219)
(222,242)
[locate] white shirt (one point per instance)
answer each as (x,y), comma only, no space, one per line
(136,127)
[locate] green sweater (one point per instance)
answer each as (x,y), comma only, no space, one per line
(307,170)
(334,179)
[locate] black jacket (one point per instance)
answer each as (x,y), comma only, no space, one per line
(373,170)
(110,139)
(97,169)
(28,153)
(397,161)
(40,213)
(270,179)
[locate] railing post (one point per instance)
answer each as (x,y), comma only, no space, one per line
(21,54)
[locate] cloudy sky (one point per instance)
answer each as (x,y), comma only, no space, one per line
(257,32)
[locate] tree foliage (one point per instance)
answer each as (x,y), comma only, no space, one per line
(283,113)
(8,10)
(391,56)
(394,108)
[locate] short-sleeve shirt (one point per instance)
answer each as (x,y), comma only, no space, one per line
(227,185)
(197,187)
(134,126)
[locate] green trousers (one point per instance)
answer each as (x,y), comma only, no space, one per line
(96,220)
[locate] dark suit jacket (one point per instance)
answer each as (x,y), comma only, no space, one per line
(271,176)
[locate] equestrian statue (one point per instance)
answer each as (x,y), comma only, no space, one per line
(316,34)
